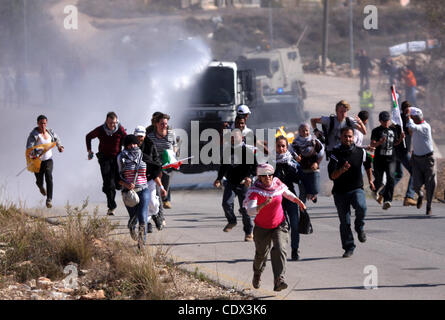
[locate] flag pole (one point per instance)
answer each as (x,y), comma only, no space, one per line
(397,107)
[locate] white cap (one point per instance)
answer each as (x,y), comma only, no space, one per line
(415,112)
(243,110)
(139,131)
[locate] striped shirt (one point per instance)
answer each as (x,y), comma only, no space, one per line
(165,143)
(127,168)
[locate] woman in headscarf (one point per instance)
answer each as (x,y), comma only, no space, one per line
(130,163)
(310,151)
(263,200)
(288,171)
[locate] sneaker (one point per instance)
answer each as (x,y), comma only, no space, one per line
(348,253)
(110,212)
(256,281)
(149,228)
(295,255)
(133,233)
(280,285)
(386,205)
(49,204)
(409,202)
(379,199)
(158,222)
(428,211)
(314,200)
(229,227)
(419,201)
(42,190)
(248,237)
(167,205)
(362,236)
(141,237)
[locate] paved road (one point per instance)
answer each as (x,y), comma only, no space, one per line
(406,247)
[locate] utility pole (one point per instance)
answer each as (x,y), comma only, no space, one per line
(325,34)
(271,25)
(351,35)
(25,34)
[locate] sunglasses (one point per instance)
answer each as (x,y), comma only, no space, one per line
(266,175)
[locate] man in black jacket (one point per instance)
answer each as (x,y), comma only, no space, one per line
(345,169)
(238,170)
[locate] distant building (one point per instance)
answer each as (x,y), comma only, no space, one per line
(216,4)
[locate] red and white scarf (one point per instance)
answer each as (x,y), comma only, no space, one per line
(277,188)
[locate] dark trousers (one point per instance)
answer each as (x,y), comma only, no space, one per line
(364,80)
(424,173)
(230,192)
(110,177)
(403,159)
(383,166)
(165,180)
(344,201)
(293,212)
(46,171)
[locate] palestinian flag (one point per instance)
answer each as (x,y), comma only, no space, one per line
(169,160)
(370,156)
(34,154)
(396,118)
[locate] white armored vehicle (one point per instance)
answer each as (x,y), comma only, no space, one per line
(279,86)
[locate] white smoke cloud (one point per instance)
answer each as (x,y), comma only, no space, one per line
(133,71)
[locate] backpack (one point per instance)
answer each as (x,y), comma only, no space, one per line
(327,132)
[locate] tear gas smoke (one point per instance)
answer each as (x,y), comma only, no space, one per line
(133,70)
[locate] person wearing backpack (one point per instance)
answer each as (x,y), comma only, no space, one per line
(332,125)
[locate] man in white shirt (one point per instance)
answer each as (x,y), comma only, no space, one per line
(39,136)
(333,124)
(422,160)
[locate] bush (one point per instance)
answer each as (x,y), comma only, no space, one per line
(35,248)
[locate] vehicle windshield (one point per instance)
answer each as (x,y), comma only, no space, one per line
(215,86)
(260,66)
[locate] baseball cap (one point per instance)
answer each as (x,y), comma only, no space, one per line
(139,131)
(384,116)
(415,112)
(243,110)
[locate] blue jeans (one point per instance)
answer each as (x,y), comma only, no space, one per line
(230,191)
(139,213)
(398,174)
(293,212)
(310,184)
(343,201)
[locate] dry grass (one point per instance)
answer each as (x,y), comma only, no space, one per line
(31,248)
(35,248)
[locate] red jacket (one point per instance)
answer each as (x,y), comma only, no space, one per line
(110,146)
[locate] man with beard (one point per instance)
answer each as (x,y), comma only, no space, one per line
(345,169)
(110,135)
(238,171)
